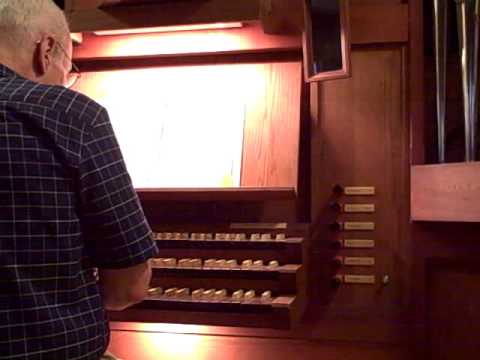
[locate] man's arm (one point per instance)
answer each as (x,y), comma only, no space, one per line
(117,236)
(122,288)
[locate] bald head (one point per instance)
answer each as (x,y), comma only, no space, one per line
(35,37)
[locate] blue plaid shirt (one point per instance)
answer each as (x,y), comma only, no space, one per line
(67,205)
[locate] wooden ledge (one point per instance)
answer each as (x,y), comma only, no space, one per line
(229,244)
(217,194)
(446,192)
(237,273)
(281,313)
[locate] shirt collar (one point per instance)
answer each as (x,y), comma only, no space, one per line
(7,72)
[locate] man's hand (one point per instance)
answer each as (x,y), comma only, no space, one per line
(122,288)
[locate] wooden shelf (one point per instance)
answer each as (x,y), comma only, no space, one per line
(260,273)
(282,313)
(446,192)
(284,255)
(85,16)
(225,244)
(284,280)
(288,251)
(217,194)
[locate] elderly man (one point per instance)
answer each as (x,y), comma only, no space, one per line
(67,205)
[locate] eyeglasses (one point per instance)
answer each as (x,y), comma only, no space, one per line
(74,74)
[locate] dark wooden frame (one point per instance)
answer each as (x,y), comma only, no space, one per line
(345,71)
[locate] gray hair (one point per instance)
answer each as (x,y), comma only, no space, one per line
(26,20)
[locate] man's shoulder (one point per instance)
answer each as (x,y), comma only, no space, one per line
(56,98)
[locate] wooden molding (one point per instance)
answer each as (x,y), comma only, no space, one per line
(365,20)
(219,194)
(446,192)
(249,38)
(171,13)
(282,16)
(379,23)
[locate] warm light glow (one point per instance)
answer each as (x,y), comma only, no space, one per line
(175,346)
(181,126)
(175,43)
(150,30)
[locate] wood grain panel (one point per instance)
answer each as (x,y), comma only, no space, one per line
(379,23)
(454,336)
(447,192)
(154,346)
(269,96)
(249,38)
(361,138)
(272,127)
(282,16)
(217,194)
(88,18)
(366,20)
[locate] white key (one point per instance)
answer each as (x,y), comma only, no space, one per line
(177,236)
(266,296)
(196,263)
(280,237)
(208,294)
(210,263)
(266,237)
(238,237)
(201,236)
(156,262)
(197,294)
(232,264)
(238,295)
(172,292)
(247,264)
(221,263)
(170,262)
(220,295)
(182,293)
(168,236)
(155,291)
(219,236)
(255,237)
(273,264)
(184,263)
(208,236)
(249,295)
(258,264)
(184,236)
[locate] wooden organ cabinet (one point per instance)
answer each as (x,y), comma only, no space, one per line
(238,269)
(231,239)
(322,170)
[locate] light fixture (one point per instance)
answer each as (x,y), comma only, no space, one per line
(148,30)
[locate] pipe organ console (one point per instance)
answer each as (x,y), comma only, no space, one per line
(229,274)
(267,240)
(235,157)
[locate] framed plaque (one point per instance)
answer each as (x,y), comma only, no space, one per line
(326,40)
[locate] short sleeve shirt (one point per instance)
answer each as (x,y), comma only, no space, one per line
(67,206)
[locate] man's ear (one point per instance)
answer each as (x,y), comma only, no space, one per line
(43,55)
